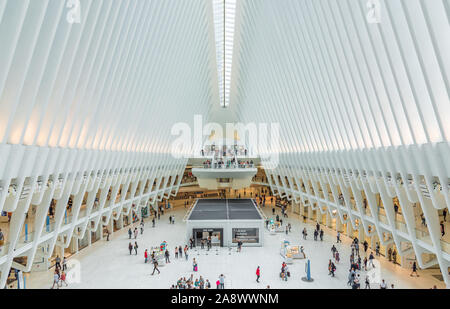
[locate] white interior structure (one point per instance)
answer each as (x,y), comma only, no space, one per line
(93,94)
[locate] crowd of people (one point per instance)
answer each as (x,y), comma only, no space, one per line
(59,275)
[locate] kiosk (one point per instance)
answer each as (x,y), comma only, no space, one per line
(226,221)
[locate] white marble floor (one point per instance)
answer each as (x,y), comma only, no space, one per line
(109,264)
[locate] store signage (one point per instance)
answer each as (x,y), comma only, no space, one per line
(246,235)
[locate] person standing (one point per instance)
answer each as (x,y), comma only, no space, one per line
(135,247)
(321,235)
(186,252)
(62,279)
(371,257)
(130,247)
(180,251)
(166,254)
(129,233)
(146,256)
(222,281)
(258,274)
(58,262)
(338,237)
(176,252)
(194,265)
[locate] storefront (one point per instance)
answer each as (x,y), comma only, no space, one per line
(215,234)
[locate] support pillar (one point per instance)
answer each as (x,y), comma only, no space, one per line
(328,220)
(361,234)
(89,237)
(349,229)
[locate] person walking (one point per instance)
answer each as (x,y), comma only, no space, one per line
(414,269)
(129,233)
(155,267)
(338,237)
(62,279)
(258,274)
(180,251)
(367,286)
(64,264)
(55,279)
(145,256)
(135,247)
(130,247)
(304,233)
(176,252)
(321,235)
(333,251)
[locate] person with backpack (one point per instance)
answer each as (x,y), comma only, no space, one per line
(155,267)
(258,274)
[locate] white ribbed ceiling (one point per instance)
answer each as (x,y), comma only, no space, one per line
(118,80)
(131,69)
(336,82)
